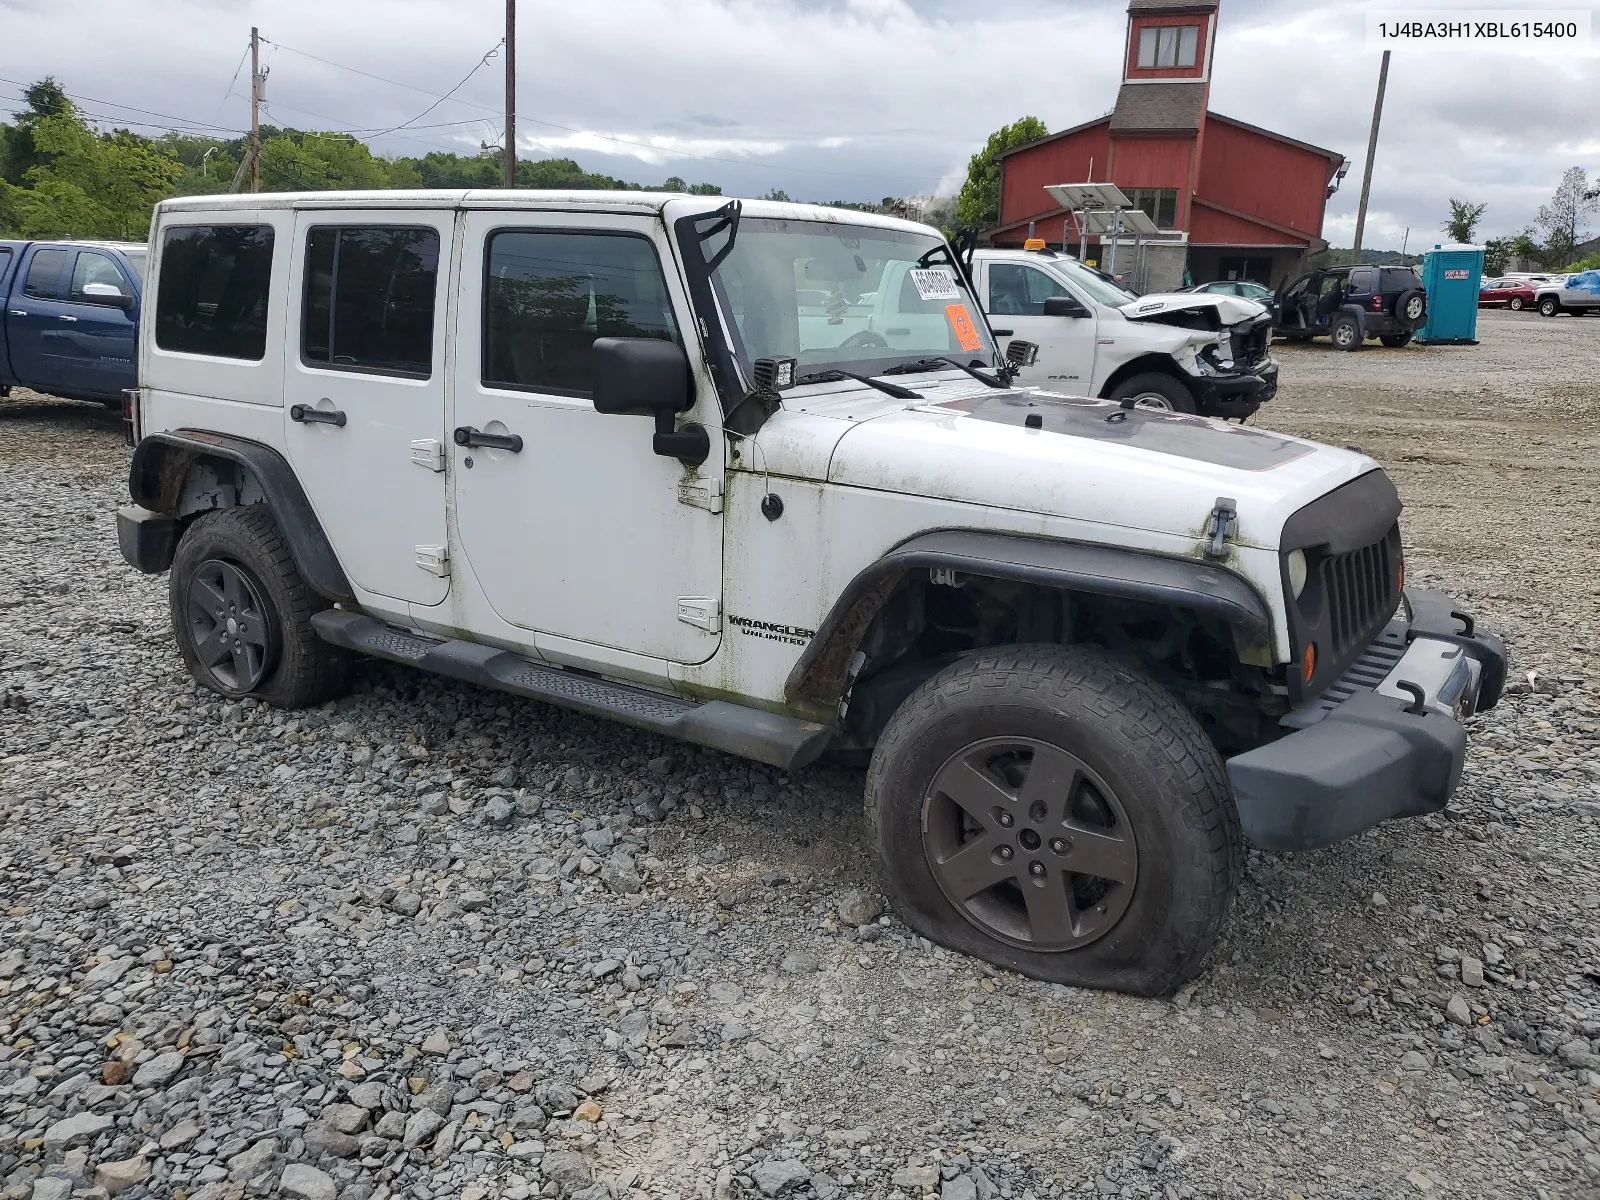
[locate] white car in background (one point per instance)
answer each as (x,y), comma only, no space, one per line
(1190,352)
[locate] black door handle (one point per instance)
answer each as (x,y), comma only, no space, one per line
(307,415)
(466,435)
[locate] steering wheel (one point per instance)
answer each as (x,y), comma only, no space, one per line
(863,338)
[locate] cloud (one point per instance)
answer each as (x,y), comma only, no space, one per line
(827,99)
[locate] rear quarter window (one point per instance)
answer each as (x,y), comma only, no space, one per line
(212,293)
(1399,279)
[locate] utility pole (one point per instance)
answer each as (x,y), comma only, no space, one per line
(1372,151)
(255,109)
(511,93)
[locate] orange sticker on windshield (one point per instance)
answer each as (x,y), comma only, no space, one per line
(966,332)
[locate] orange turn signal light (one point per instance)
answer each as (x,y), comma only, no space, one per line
(1308,666)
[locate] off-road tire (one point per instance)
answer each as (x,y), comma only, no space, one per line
(306,670)
(1515,304)
(1417,299)
(1141,742)
(1344,331)
(1174,395)
(1395,340)
(1549,306)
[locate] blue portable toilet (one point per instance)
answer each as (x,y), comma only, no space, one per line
(1451,275)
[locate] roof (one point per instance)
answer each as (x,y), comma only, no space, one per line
(1159,106)
(1135,6)
(586,200)
(1054,137)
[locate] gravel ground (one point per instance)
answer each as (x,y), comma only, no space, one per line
(433,941)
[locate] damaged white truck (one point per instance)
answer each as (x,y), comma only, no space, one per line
(757,476)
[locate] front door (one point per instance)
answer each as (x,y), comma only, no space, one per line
(102,336)
(363,405)
(582,532)
(1015,294)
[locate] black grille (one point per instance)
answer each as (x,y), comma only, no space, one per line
(1359,587)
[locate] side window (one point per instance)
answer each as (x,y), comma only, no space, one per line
(369,298)
(5,260)
(94,267)
(547,296)
(211,294)
(1016,290)
(46,275)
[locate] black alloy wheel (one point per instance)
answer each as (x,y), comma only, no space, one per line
(231,626)
(1029,844)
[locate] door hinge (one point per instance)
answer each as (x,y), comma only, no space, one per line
(698,492)
(703,612)
(435,560)
(429,452)
(1224,520)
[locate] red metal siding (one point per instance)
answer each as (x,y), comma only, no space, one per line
(1242,170)
(1155,162)
(1207,226)
(1065,160)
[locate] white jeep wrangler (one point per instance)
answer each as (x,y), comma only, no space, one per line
(755,476)
(1192,352)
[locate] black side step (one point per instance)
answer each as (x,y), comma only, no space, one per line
(779,741)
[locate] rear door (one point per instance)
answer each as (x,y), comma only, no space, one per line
(364,381)
(99,335)
(41,344)
(1014,295)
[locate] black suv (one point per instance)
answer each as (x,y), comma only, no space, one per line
(1351,304)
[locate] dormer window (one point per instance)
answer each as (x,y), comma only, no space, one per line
(1168,46)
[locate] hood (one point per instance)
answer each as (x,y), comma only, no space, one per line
(1089,461)
(1184,308)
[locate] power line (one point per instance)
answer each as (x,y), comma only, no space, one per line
(128,107)
(233,81)
(476,67)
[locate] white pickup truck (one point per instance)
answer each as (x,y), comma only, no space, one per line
(1184,351)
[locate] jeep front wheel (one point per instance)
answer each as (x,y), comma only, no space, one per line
(1050,811)
(1345,333)
(242,614)
(1154,390)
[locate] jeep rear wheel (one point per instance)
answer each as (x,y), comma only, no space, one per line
(1549,306)
(1052,812)
(241,614)
(1345,333)
(1155,390)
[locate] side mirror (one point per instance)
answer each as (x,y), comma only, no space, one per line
(108,294)
(1021,353)
(1064,306)
(648,377)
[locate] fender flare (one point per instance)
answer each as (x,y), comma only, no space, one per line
(161,462)
(821,673)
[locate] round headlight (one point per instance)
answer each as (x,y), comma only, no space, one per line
(1297,572)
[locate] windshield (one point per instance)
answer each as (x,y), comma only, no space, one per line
(846,296)
(1100,286)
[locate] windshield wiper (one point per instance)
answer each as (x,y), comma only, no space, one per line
(835,375)
(934,364)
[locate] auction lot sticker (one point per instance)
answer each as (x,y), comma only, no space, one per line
(967,336)
(1520,30)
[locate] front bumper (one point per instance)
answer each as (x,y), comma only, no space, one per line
(1384,741)
(1238,395)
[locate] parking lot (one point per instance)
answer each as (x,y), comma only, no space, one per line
(578,959)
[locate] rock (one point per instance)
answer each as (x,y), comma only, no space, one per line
(107,973)
(914,1179)
(445,1140)
(1457,1011)
(1471,972)
(51,1187)
(498,812)
(588,1111)
(323,1139)
(472,901)
(421,1127)
(368,1095)
(777,1176)
(392,1126)
(346,1118)
(959,1188)
(437,1043)
(621,876)
(407,904)
(114,1073)
(1412,1060)
(122,1175)
(247,1164)
(159,1071)
(1379,900)
(179,1135)
(568,1170)
(307,1183)
(857,907)
(84,1127)
(506,777)
(799,962)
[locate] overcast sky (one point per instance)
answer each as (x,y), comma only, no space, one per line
(827,99)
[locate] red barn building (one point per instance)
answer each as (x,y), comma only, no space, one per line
(1232,200)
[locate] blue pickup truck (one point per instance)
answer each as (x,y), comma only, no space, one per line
(70,317)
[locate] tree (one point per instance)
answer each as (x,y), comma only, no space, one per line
(1463,222)
(1563,218)
(777,194)
(20,154)
(978,205)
